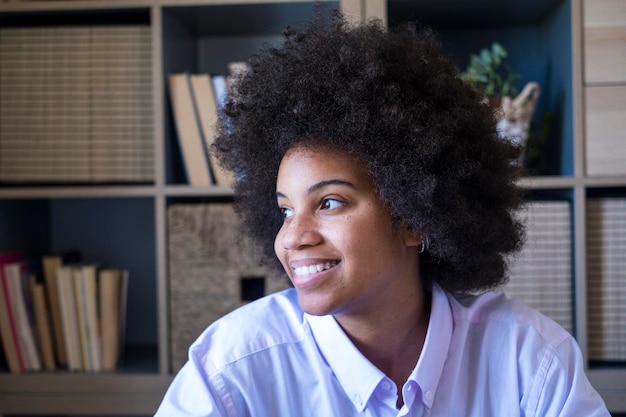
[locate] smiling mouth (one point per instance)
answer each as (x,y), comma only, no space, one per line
(302,271)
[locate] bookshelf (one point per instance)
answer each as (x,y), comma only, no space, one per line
(125,221)
(121,220)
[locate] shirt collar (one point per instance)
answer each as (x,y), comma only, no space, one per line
(430,365)
(357,375)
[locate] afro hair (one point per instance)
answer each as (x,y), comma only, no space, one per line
(392,98)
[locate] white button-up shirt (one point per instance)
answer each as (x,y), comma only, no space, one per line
(483,356)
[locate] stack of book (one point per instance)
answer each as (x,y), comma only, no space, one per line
(606,279)
(196,100)
(76,104)
(65,315)
(541,274)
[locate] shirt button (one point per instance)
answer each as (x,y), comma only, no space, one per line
(358,400)
(428,395)
(386,385)
(409,388)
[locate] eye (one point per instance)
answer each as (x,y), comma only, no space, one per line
(330,204)
(286,212)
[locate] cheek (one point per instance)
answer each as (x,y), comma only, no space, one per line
(277,245)
(375,240)
(278,248)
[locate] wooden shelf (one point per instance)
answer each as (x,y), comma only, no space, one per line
(64,393)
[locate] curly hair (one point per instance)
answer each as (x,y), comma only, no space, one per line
(392,98)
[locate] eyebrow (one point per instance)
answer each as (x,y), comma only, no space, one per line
(320,185)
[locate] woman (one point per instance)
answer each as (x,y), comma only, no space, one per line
(375,178)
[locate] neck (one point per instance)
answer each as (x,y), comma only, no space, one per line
(393,338)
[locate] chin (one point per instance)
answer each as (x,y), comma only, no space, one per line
(314,307)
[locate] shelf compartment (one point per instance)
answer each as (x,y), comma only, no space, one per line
(211,271)
(76,102)
(123,234)
(537,36)
(204,39)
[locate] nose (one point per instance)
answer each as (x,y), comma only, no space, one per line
(299,231)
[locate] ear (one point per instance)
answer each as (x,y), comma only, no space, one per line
(411,237)
(412,241)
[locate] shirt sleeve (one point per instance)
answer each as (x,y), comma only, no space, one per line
(562,387)
(192,394)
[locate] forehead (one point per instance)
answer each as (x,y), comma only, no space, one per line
(320,160)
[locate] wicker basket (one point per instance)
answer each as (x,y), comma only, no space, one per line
(207,265)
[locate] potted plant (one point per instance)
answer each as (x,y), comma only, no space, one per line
(489,74)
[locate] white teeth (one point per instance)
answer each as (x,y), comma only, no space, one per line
(312,269)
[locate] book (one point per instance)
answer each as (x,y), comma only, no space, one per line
(207,110)
(90,277)
(80,301)
(50,265)
(188,130)
(84,278)
(8,329)
(112,284)
(69,320)
(43,325)
(16,275)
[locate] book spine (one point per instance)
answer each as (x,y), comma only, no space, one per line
(23,322)
(10,337)
(42,323)
(109,292)
(68,310)
(51,264)
(80,302)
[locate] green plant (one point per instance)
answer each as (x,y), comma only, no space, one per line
(489,74)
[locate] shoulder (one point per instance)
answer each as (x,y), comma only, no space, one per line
(268,322)
(496,309)
(529,360)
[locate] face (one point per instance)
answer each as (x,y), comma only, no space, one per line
(337,242)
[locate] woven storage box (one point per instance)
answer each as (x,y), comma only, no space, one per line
(208,264)
(541,274)
(606,279)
